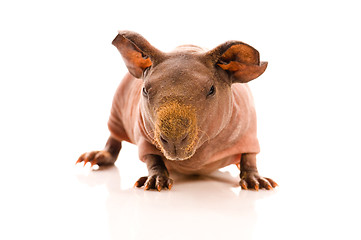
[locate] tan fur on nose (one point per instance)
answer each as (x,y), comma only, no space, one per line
(176,120)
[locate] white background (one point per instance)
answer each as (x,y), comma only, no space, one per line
(58,74)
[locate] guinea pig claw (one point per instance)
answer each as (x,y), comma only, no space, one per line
(80,159)
(140,182)
(155,182)
(85,162)
(252,180)
(243,184)
(170,184)
(146,187)
(273,183)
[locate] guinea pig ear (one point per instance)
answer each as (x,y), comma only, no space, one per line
(136,51)
(240,60)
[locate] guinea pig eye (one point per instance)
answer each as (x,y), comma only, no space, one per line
(211,92)
(145,93)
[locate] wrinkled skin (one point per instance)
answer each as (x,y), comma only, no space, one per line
(189,111)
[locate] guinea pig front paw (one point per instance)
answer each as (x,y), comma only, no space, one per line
(158,182)
(100,158)
(252,180)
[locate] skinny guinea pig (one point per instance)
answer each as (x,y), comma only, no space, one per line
(189,111)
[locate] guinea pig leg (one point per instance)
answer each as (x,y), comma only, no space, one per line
(105,157)
(250,179)
(158,176)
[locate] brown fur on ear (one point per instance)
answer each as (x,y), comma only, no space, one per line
(137,52)
(239,59)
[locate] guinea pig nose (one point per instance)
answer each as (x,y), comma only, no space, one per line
(184,138)
(163,139)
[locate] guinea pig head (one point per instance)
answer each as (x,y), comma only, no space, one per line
(187,94)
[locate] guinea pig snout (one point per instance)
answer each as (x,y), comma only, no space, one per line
(176,131)
(175,148)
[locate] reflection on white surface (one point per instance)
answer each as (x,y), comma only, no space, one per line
(197,207)
(51,198)
(66,201)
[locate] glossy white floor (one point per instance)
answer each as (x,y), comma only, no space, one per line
(47,197)
(57,78)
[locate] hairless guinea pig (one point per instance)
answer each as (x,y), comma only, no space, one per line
(189,111)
